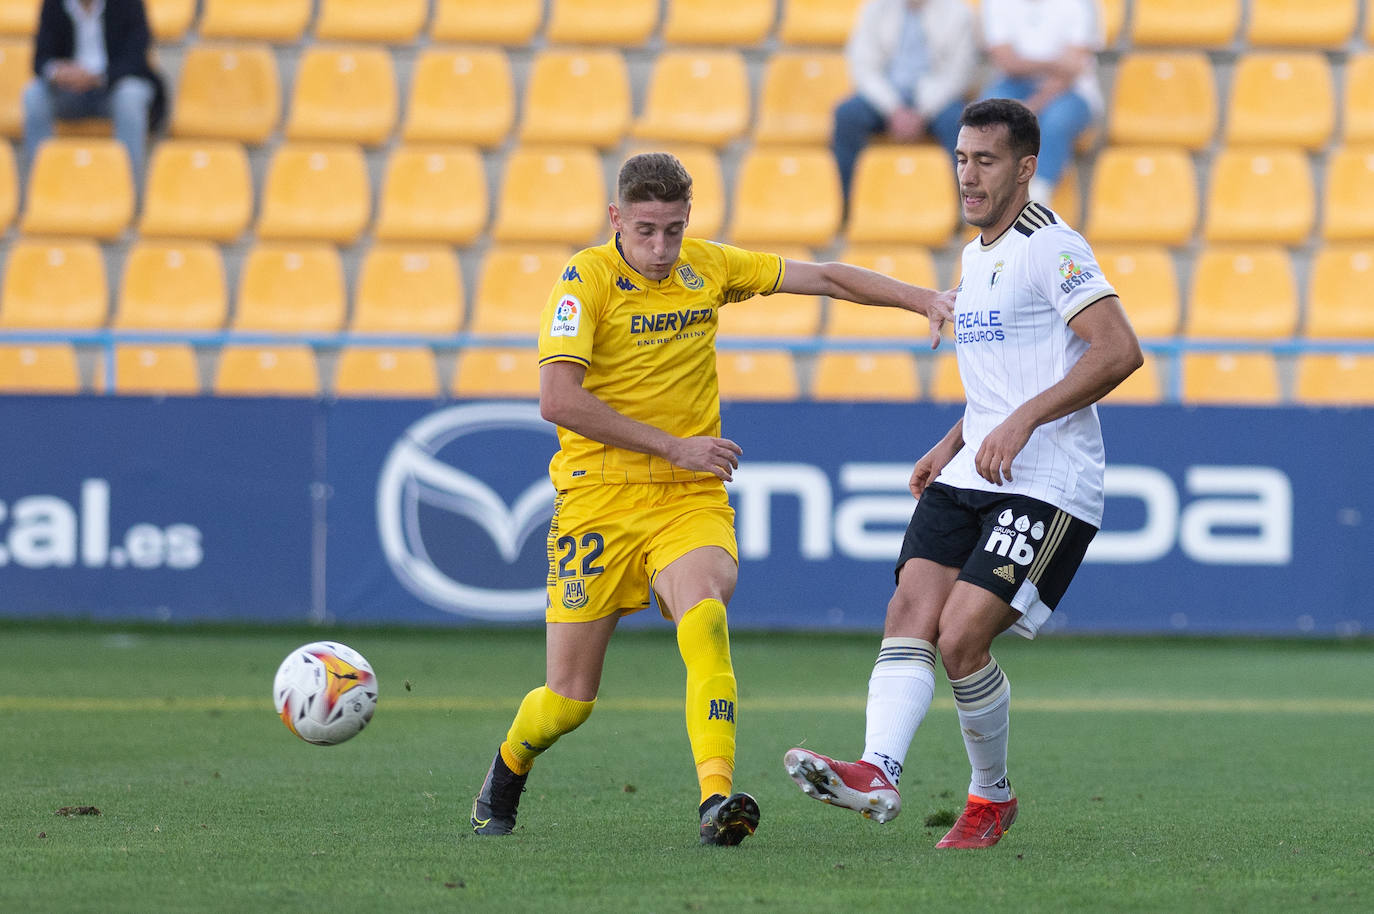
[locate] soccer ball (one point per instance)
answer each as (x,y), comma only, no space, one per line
(325,692)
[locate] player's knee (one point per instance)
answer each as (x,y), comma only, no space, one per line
(961,654)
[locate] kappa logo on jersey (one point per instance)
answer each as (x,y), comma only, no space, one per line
(625,285)
(570,274)
(689,277)
(1008,538)
(721,709)
(996,272)
(1073,275)
(567,317)
(574,594)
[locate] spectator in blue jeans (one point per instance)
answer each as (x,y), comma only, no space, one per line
(912,63)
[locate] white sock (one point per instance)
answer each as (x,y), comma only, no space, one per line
(899,694)
(984,703)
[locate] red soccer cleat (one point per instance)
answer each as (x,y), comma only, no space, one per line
(982,825)
(859,786)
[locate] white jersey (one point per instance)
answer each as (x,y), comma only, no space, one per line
(1012,338)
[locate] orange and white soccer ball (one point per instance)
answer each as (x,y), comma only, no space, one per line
(326,692)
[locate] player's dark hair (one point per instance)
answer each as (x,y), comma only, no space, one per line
(654,176)
(1023,130)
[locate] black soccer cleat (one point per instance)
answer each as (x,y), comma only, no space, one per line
(493,809)
(726,821)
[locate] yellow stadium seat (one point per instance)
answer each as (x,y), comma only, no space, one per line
(696,97)
(511,23)
(552,195)
(409,289)
(1312,23)
(1113,17)
(160,370)
(291,289)
(367,371)
(228,91)
(51,284)
(267,371)
(903,194)
(912,264)
(1335,379)
(817,22)
(9,187)
(865,376)
(708,185)
(170,19)
(757,374)
(16,69)
(19,17)
(479,76)
(79,187)
(317,191)
(798,97)
(1147,284)
(1184,23)
(626,23)
(1348,195)
(39,368)
(736,23)
(343,94)
(1142,194)
(1338,287)
(787,195)
(514,285)
(1281,98)
(1167,98)
(172,286)
(1142,387)
(393,22)
(198,189)
(433,194)
(1260,194)
(1242,293)
(576,96)
(1067,198)
(782,316)
(278,21)
(946,386)
(497,371)
(1357,108)
(1230,378)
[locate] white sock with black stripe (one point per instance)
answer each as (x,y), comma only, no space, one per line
(899,695)
(984,704)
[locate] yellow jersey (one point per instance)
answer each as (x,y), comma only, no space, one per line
(649,347)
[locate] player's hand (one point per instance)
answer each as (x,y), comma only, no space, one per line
(998,450)
(711,455)
(941,311)
(921,476)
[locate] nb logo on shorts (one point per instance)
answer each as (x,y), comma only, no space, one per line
(574,594)
(1008,538)
(721,709)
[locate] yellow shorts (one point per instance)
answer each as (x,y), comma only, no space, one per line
(607,543)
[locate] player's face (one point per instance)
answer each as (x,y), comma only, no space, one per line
(993,183)
(651,234)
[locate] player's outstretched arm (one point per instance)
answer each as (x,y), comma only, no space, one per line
(868,287)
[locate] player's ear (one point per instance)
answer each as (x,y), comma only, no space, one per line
(614,213)
(1026,170)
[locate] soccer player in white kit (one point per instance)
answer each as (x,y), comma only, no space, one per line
(1011,496)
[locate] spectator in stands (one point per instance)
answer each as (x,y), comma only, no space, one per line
(912,63)
(1045,54)
(90,59)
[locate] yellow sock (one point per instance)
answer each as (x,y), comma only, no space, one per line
(543,717)
(704,642)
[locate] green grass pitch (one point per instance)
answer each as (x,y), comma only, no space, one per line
(1154,775)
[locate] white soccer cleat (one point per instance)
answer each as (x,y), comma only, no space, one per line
(859,786)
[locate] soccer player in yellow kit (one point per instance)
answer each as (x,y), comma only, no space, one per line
(628,374)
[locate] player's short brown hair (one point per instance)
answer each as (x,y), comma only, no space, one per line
(654,176)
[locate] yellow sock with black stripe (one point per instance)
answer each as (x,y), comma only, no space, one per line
(704,642)
(543,717)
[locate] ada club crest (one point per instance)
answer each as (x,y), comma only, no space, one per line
(689,277)
(574,594)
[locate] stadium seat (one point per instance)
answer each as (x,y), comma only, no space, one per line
(317,191)
(1143,387)
(497,371)
(757,374)
(865,376)
(479,76)
(16,69)
(1281,98)
(229,92)
(345,94)
(1357,107)
(850,320)
(393,22)
(576,96)
(1311,23)
(39,368)
(170,19)
(1142,194)
(787,195)
(9,187)
(1165,98)
(278,21)
(624,23)
(903,194)
(198,189)
(266,371)
(52,284)
(1260,194)
(172,286)
(1113,16)
(696,97)
(946,386)
(817,22)
(511,23)
(1339,281)
(708,186)
(1067,198)
(1147,284)
(1184,23)
(409,289)
(1230,378)
(19,17)
(433,194)
(513,286)
(368,371)
(733,23)
(1242,293)
(1335,379)
(1348,195)
(798,97)
(161,370)
(552,195)
(291,289)
(79,187)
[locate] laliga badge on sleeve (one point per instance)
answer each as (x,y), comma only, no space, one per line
(566,317)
